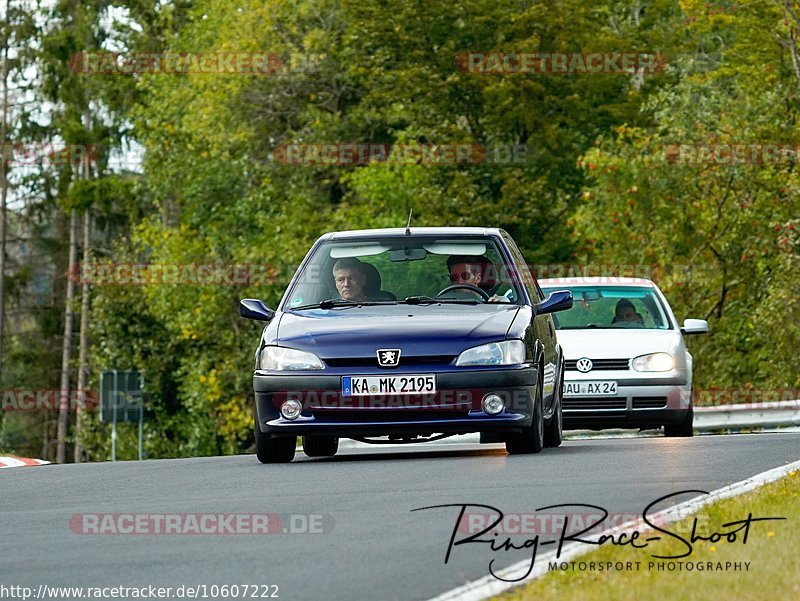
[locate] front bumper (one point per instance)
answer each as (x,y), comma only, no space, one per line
(641,401)
(454,409)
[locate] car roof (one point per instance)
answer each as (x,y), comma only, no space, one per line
(423,231)
(608,280)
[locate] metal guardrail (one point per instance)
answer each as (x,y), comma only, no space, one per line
(747,415)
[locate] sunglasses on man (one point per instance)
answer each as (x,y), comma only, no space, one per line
(463,276)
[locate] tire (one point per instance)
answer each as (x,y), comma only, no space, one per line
(531,439)
(684,429)
(274,449)
(554,429)
(320,446)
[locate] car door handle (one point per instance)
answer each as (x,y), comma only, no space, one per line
(550,326)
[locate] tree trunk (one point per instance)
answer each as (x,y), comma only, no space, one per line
(3,198)
(84,341)
(82,367)
(69,314)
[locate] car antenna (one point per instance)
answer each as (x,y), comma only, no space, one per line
(408,225)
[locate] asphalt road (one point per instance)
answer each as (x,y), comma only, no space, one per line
(373,546)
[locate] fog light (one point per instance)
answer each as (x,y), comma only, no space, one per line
(291,409)
(493,404)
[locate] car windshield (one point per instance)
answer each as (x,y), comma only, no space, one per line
(413,269)
(630,307)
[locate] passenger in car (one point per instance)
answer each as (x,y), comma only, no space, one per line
(350,277)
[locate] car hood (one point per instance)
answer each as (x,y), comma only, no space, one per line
(618,344)
(415,330)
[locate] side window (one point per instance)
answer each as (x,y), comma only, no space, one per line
(522,266)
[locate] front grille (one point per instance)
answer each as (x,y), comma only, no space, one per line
(649,402)
(590,403)
(599,364)
(373,361)
(389,415)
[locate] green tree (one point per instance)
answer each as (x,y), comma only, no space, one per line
(663,195)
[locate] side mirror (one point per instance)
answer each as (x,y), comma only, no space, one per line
(560,300)
(694,326)
(253,308)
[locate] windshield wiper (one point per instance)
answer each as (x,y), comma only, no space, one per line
(409,300)
(419,300)
(340,302)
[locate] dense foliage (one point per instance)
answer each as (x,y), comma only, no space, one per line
(601,184)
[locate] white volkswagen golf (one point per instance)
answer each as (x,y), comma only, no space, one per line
(627,365)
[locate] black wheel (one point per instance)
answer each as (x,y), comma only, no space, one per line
(320,446)
(683,429)
(274,449)
(554,430)
(531,439)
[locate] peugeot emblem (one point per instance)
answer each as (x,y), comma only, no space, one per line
(388,357)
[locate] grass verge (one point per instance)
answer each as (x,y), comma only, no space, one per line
(772,550)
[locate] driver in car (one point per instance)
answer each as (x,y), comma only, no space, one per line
(625,311)
(350,278)
(468,271)
(464,272)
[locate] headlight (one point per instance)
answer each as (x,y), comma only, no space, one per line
(654,362)
(279,358)
(510,352)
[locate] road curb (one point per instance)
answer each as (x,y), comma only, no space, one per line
(8,461)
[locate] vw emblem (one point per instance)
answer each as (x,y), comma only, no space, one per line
(388,357)
(584,365)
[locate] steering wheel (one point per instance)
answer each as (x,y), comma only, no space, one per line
(482,293)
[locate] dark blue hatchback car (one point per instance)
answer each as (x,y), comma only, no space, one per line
(408,335)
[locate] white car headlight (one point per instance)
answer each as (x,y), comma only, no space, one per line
(509,352)
(279,358)
(654,362)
